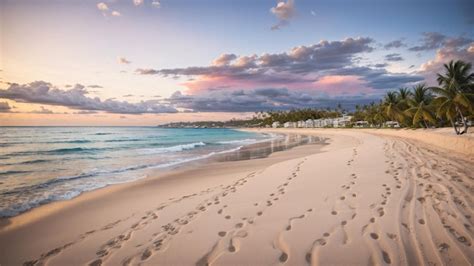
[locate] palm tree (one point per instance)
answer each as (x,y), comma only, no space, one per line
(392,110)
(454,99)
(420,108)
(403,96)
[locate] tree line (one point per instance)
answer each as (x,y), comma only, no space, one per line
(451,103)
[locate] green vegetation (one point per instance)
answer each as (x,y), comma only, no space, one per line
(450,104)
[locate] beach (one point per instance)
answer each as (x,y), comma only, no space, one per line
(360,197)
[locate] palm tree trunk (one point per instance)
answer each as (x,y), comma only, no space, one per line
(424,122)
(453,123)
(463,121)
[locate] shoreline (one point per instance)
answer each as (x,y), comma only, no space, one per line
(212,162)
(362,198)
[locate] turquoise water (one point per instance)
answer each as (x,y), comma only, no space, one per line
(43,164)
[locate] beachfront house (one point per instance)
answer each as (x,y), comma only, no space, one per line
(309,123)
(343,121)
(289,125)
(276,124)
(328,122)
(393,124)
(361,124)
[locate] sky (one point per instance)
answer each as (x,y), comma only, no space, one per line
(149,62)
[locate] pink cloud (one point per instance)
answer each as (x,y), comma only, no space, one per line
(331,84)
(336,85)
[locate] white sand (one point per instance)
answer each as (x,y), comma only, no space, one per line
(366,199)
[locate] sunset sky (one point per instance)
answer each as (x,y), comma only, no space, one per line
(147,62)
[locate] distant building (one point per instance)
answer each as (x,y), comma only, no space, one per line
(343,121)
(394,124)
(309,123)
(289,125)
(361,124)
(276,124)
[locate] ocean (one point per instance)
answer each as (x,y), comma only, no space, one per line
(39,165)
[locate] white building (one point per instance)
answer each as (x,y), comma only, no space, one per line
(343,121)
(361,124)
(289,125)
(309,123)
(276,124)
(392,124)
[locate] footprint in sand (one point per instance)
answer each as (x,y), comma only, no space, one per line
(443,247)
(222,233)
(97,262)
(380,212)
(146,254)
(374,236)
(320,241)
(386,257)
(283,257)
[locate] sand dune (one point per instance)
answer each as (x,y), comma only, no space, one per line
(363,199)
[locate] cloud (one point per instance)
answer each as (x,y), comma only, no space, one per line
(324,55)
(300,67)
(85,112)
(224,60)
(453,49)
(313,13)
(93,86)
(394,44)
(380,78)
(284,11)
(43,110)
(4,107)
(102,6)
(430,41)
(147,71)
(259,100)
(156,3)
(447,48)
(382,65)
(128,95)
(137,2)
(76,98)
(394,57)
(123,60)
